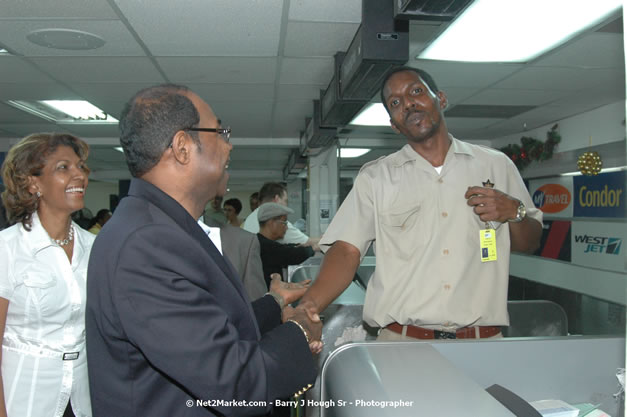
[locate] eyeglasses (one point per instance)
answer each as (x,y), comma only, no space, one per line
(225,132)
(283,222)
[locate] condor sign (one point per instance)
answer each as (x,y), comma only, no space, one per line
(553,196)
(600,196)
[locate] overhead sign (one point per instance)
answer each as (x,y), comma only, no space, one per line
(599,245)
(600,196)
(553,196)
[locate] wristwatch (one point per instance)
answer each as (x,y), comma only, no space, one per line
(521,212)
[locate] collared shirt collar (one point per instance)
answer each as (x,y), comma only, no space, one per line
(408,154)
(37,238)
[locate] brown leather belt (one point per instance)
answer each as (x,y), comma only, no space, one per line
(463,333)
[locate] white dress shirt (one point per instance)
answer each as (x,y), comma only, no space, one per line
(213,233)
(43,350)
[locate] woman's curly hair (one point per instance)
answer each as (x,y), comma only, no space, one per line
(25,159)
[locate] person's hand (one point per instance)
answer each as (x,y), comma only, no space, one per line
(311,308)
(313,329)
(290,291)
(491,205)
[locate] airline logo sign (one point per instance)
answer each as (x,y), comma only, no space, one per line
(600,196)
(599,245)
(552,198)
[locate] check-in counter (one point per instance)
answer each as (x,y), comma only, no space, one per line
(448,378)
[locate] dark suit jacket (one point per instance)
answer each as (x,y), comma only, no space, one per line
(242,249)
(168,321)
(275,256)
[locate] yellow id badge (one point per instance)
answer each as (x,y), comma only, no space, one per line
(487,238)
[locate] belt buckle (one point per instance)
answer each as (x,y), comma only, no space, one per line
(443,335)
(70,356)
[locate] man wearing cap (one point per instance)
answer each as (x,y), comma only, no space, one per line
(272,227)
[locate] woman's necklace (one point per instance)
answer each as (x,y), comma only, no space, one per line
(68,239)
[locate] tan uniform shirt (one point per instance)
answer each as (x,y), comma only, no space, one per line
(428,266)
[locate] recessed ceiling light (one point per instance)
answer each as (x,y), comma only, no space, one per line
(69,39)
(65,111)
(353,152)
(373,115)
(515,31)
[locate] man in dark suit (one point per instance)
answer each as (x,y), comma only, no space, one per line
(242,249)
(170,329)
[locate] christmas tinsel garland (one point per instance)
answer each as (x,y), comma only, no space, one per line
(532,149)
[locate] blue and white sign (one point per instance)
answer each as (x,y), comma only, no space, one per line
(600,196)
(599,245)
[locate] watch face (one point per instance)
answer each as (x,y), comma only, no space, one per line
(522,211)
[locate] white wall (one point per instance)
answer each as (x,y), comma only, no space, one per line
(596,127)
(97,195)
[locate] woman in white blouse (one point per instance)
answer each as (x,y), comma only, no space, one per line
(43,268)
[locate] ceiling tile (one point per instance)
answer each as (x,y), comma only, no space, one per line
(196,28)
(16,70)
(289,117)
(246,118)
(464,74)
(596,50)
(35,91)
(318,39)
(100,69)
(299,92)
(254,70)
(526,97)
(118,40)
(554,78)
(306,71)
(345,11)
(233,92)
(28,9)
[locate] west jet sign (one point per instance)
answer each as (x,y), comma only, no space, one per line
(599,245)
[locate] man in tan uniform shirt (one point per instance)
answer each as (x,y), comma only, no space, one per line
(429,208)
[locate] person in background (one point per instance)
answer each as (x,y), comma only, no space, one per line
(242,249)
(168,321)
(232,207)
(43,272)
(272,227)
(274,192)
(444,214)
(214,211)
(101,218)
(253,201)
(83,218)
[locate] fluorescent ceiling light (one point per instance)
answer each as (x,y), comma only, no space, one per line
(604,170)
(119,149)
(373,115)
(515,31)
(65,111)
(4,52)
(353,152)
